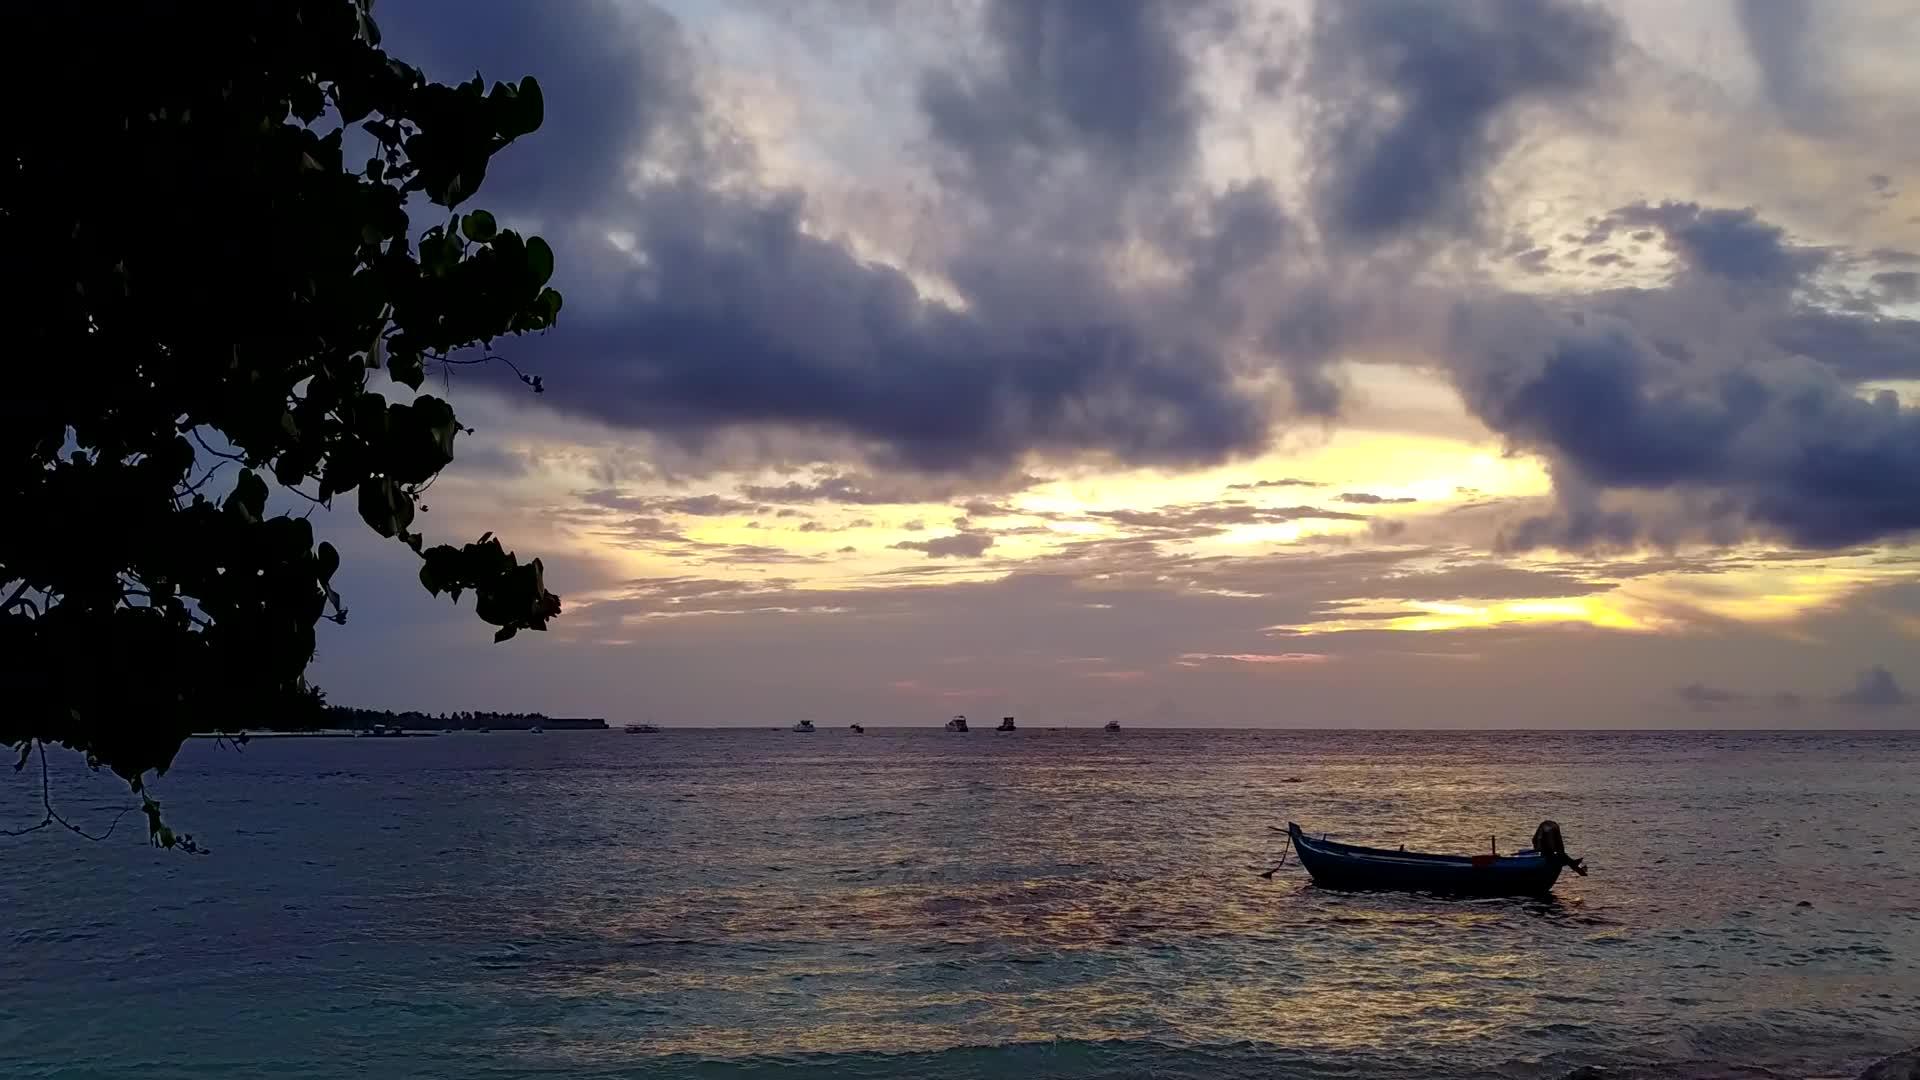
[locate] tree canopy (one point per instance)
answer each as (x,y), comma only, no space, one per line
(204,211)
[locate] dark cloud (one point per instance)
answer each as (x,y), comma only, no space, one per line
(1776,34)
(1195,520)
(986,508)
(1280,483)
(1707,698)
(1902,286)
(1415,100)
(749,553)
(732,316)
(1475,581)
(1245,226)
(1735,245)
(694,505)
(742,318)
(1101,83)
(644,530)
(960,545)
(1856,348)
(612,76)
(1369,499)
(1877,688)
(1783,446)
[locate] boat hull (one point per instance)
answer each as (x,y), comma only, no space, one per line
(1361,869)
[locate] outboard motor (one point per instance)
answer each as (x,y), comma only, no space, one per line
(1547,841)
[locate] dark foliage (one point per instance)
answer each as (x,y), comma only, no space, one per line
(204,215)
(346,717)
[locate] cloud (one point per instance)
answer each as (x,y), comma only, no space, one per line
(1707,698)
(1776,35)
(1772,444)
(1474,581)
(1875,688)
(614,79)
(1902,286)
(815,339)
(1369,499)
(1194,520)
(1283,482)
(1101,86)
(1855,347)
(692,505)
(1735,245)
(726,310)
(1194,658)
(854,489)
(960,545)
(1416,101)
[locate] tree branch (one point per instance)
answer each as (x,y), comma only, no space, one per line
(531,380)
(52,817)
(195,432)
(189,489)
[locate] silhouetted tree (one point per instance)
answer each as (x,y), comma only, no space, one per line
(204,214)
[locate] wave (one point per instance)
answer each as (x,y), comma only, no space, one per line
(1130,1059)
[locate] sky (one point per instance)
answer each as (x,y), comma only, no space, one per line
(1225,362)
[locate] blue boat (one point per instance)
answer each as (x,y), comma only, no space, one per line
(1349,866)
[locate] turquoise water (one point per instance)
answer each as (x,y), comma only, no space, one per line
(916,904)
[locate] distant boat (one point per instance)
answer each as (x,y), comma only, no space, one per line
(856,729)
(958,723)
(1348,866)
(486,731)
(535,729)
(1006,724)
(641,729)
(804,727)
(1113,725)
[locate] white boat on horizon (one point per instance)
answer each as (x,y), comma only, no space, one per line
(804,727)
(1113,725)
(641,729)
(958,723)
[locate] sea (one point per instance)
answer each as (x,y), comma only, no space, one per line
(913,903)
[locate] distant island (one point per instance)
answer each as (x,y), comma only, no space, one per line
(344,717)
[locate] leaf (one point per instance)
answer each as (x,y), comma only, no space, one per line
(479,227)
(385,507)
(532,105)
(329,560)
(539,261)
(503,634)
(407,369)
(248,502)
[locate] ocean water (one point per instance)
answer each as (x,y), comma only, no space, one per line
(916,904)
